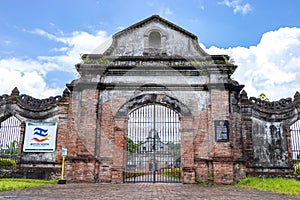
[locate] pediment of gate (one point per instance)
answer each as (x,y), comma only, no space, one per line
(154,36)
(153,51)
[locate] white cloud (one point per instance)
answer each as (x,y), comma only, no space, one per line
(103,47)
(46,34)
(120,28)
(7,42)
(150,3)
(76,44)
(168,11)
(165,12)
(27,75)
(271,67)
(61,49)
(201,5)
(238,6)
(30,74)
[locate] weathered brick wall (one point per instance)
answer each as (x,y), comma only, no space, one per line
(78,134)
(120,140)
(200,152)
(112,145)
(187,147)
(223,172)
(224,161)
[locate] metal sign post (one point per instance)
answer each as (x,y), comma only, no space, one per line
(64,154)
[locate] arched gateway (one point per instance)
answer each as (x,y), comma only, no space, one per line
(155,107)
(153,152)
(152,148)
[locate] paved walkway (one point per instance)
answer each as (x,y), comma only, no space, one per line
(141,191)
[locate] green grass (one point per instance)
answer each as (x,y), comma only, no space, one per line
(278,185)
(17,183)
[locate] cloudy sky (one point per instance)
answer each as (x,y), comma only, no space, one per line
(41,41)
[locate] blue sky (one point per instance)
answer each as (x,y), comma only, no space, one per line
(41,41)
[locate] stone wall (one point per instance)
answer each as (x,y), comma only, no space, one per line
(265,128)
(27,108)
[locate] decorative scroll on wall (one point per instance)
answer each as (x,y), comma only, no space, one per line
(34,103)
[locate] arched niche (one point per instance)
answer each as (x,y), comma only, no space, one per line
(154,41)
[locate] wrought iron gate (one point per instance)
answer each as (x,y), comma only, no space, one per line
(9,140)
(295,139)
(153,145)
(9,136)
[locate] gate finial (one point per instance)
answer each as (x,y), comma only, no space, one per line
(297,96)
(15,92)
(66,93)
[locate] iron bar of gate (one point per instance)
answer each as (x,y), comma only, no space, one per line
(295,139)
(154,167)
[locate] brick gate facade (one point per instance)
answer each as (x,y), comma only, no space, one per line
(157,62)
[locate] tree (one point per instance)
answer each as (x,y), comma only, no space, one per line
(131,146)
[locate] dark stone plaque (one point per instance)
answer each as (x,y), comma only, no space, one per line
(221,130)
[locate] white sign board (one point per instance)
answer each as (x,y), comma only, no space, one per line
(40,137)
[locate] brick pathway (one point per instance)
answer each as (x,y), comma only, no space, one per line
(141,191)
